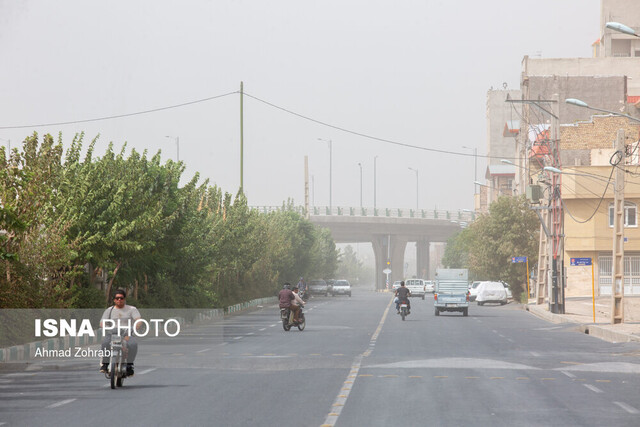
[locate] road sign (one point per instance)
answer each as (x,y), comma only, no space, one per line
(580,261)
(386,271)
(518,259)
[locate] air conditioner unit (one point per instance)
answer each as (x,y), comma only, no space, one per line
(534,194)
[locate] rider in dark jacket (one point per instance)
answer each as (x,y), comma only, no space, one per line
(403,293)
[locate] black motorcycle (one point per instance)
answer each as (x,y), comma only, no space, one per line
(286,315)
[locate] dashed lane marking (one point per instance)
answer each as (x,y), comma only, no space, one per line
(534,354)
(62,402)
(569,374)
(237,338)
(203,351)
(343,395)
(629,409)
(592,388)
(146,371)
(263,329)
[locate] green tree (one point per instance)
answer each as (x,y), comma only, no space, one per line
(486,247)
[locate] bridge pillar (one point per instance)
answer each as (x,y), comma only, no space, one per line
(388,248)
(422,259)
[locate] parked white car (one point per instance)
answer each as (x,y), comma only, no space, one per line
(429,286)
(491,292)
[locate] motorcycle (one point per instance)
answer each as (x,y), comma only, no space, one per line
(286,315)
(404,309)
(117,370)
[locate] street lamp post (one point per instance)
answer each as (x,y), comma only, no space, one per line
(417,192)
(360,164)
(374,183)
(328,141)
(177,139)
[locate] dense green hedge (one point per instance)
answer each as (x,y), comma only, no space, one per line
(76,227)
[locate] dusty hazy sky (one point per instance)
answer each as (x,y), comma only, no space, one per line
(413,72)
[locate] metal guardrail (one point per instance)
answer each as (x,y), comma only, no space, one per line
(460,216)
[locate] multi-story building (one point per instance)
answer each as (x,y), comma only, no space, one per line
(587,194)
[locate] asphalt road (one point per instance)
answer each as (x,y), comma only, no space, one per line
(356,364)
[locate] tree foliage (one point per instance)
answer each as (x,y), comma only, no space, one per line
(76,226)
(487,246)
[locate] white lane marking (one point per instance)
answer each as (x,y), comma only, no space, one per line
(501,336)
(271,326)
(534,354)
(592,388)
(58,404)
(629,409)
(263,329)
(203,351)
(345,390)
(223,343)
(510,340)
(250,333)
(569,374)
(237,338)
(20,374)
(494,331)
(2,423)
(146,371)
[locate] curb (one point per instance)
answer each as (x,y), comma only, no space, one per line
(596,331)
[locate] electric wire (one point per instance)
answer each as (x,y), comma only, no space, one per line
(375,138)
(118,116)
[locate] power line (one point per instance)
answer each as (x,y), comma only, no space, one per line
(375,138)
(118,116)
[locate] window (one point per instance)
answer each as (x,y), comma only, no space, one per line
(630,214)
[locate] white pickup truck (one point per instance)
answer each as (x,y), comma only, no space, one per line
(416,286)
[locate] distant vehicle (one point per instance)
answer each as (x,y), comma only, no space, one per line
(318,287)
(506,286)
(395,286)
(429,286)
(491,292)
(473,290)
(341,287)
(452,290)
(330,283)
(416,286)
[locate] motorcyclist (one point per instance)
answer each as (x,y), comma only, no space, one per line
(296,304)
(120,311)
(302,286)
(403,293)
(286,296)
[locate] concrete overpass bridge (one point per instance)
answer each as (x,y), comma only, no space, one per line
(389,231)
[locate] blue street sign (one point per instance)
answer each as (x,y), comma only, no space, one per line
(518,259)
(580,261)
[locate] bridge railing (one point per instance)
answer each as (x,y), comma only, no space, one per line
(459,216)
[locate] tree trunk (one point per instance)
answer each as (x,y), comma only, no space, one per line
(115,271)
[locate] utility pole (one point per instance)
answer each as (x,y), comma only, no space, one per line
(617,273)
(241,137)
(556,299)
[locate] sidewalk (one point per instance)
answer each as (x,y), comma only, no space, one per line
(579,310)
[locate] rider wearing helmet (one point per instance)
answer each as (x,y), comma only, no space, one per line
(403,293)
